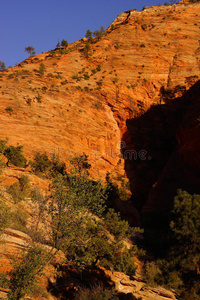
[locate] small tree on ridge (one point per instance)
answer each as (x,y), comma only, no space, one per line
(30,50)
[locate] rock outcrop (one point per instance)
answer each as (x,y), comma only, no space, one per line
(133,288)
(13,242)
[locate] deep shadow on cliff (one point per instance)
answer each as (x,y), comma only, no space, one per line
(169,134)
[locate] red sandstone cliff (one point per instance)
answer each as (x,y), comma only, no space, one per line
(148,50)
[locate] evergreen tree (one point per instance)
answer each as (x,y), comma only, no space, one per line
(64,43)
(30,50)
(2,65)
(88,35)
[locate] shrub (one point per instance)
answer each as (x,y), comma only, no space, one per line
(78,78)
(86,76)
(94,71)
(19,189)
(37,290)
(58,166)
(98,69)
(24,183)
(4,282)
(112,27)
(50,75)
(15,191)
(28,101)
(41,163)
(64,82)
(42,69)
(96,292)
(124,262)
(99,83)
(5,215)
(15,156)
(3,145)
(152,273)
(38,98)
(99,33)
(9,109)
(44,88)
(144,26)
(25,270)
(116,225)
(18,220)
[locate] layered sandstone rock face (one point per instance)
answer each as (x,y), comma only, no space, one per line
(62,112)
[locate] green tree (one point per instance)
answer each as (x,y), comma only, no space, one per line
(115,225)
(41,163)
(181,267)
(88,35)
(99,33)
(30,50)
(25,269)
(2,65)
(64,43)
(73,226)
(19,190)
(186,231)
(77,228)
(42,69)
(87,49)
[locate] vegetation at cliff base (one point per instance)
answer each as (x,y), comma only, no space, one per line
(179,269)
(79,229)
(24,272)
(90,234)
(79,221)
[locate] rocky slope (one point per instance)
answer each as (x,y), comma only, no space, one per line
(13,242)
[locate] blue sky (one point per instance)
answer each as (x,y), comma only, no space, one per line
(40,23)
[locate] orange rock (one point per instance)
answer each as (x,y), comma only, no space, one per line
(146,50)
